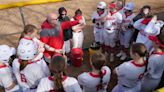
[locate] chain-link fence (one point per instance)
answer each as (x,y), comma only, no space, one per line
(11,23)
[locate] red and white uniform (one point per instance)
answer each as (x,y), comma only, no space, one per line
(129,77)
(6,78)
(78,36)
(154,72)
(29,77)
(125,32)
(70,84)
(99,26)
(90,81)
(111,28)
(39,57)
(147,27)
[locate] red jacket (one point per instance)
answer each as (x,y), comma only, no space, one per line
(53,36)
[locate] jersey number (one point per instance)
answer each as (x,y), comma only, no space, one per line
(23,78)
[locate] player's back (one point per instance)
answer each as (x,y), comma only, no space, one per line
(29,77)
(91,81)
(70,84)
(131,73)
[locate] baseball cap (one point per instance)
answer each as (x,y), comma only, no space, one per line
(129,6)
(101,5)
(112,5)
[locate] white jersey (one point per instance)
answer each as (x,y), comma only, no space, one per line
(99,22)
(114,19)
(6,78)
(129,74)
(155,66)
(142,35)
(70,84)
(90,81)
(29,77)
(127,20)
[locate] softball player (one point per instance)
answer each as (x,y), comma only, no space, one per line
(111,26)
(155,66)
(126,29)
(27,72)
(147,27)
(130,73)
(98,79)
(5,53)
(6,79)
(59,81)
(78,35)
(98,20)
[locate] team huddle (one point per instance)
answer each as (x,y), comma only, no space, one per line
(39,62)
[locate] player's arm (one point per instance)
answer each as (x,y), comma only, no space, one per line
(137,24)
(120,70)
(44,36)
(68,24)
(82,79)
(152,28)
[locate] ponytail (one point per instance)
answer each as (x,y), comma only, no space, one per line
(98,61)
(23,64)
(58,82)
(57,68)
(100,85)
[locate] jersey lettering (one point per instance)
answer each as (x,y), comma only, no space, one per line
(23,78)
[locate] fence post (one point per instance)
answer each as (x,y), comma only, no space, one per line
(22,16)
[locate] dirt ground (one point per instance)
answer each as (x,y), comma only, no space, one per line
(11,24)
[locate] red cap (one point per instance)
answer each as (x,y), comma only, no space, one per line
(112,5)
(156,40)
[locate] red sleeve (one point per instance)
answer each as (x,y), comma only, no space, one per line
(69,24)
(44,39)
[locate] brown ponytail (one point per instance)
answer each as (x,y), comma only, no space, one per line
(98,60)
(23,64)
(57,68)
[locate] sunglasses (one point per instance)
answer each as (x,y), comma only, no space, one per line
(63,14)
(100,9)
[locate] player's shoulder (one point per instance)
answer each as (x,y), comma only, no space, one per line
(34,67)
(155,57)
(118,14)
(5,70)
(83,76)
(127,63)
(107,69)
(72,79)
